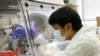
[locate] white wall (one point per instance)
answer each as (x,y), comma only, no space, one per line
(91,9)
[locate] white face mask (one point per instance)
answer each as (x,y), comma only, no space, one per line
(58,36)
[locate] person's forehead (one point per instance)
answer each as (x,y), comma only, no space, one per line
(57,27)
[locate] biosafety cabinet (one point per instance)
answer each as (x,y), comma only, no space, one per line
(14,13)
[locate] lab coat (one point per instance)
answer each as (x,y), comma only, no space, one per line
(42,46)
(53,47)
(84,43)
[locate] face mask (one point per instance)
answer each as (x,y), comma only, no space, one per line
(57,36)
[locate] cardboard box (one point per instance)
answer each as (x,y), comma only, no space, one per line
(98,21)
(72,6)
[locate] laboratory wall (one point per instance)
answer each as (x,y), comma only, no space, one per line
(91,9)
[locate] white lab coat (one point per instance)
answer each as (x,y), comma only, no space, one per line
(53,47)
(43,47)
(84,43)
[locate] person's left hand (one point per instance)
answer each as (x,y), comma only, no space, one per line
(19,31)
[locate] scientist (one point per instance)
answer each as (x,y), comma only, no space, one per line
(45,39)
(83,40)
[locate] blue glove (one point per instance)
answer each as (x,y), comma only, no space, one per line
(19,31)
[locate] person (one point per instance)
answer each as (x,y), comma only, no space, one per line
(43,35)
(83,40)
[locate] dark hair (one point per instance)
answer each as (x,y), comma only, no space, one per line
(65,15)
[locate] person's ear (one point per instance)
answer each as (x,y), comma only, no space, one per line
(68,26)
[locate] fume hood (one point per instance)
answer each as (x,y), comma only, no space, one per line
(13,13)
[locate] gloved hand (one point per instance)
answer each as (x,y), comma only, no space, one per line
(19,31)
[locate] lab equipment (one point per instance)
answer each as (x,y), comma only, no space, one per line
(7,53)
(39,20)
(41,40)
(39,26)
(43,31)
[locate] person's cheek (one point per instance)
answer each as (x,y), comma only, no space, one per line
(62,33)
